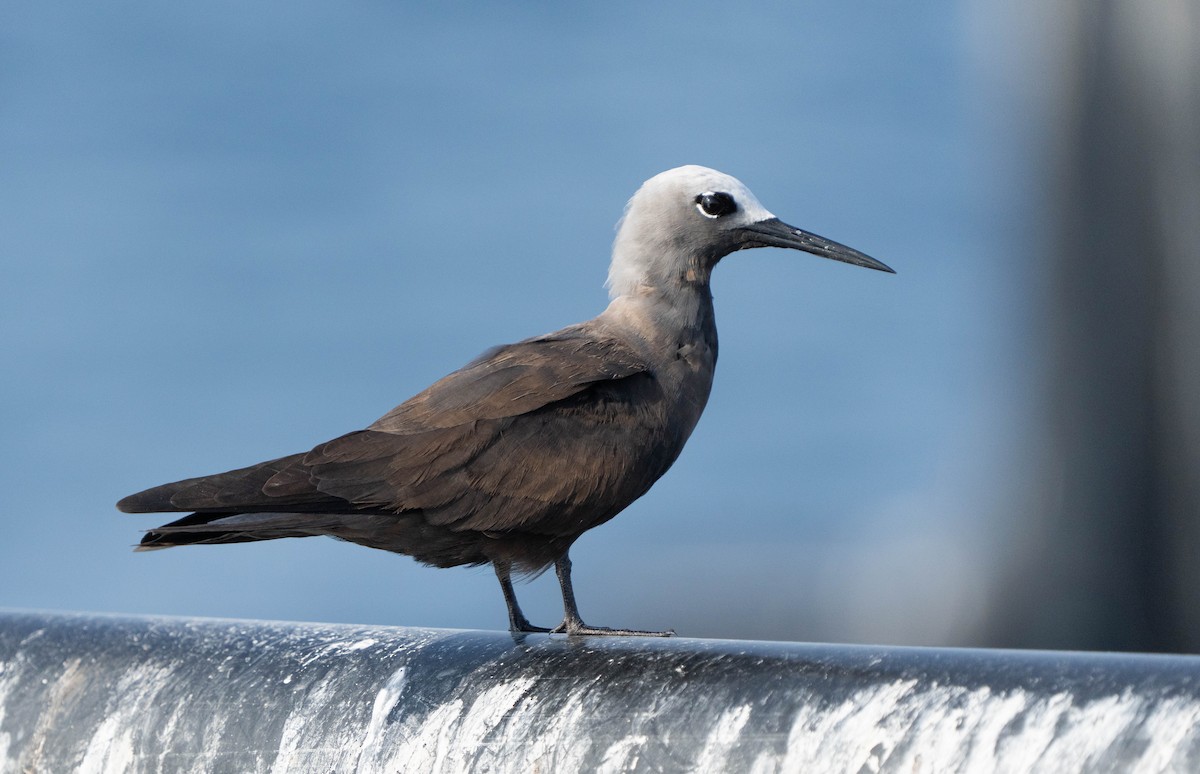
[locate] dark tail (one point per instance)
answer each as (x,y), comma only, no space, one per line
(214,528)
(236,491)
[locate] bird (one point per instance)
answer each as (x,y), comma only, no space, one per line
(508,460)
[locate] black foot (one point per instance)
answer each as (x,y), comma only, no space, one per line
(522,626)
(578,628)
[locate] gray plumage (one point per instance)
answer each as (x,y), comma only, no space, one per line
(509,459)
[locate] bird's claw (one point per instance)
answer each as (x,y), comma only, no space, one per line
(580,629)
(523,626)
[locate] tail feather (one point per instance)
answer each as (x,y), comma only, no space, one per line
(206,528)
(234,491)
(405,533)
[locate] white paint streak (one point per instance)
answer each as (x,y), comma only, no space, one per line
(8,678)
(1086,732)
(58,702)
(426,746)
(385,701)
(1175,727)
(459,737)
(336,648)
(480,743)
(852,736)
(167,732)
(899,727)
(622,755)
(111,748)
(312,740)
(721,739)
(552,740)
(991,714)
(1023,747)
(765,762)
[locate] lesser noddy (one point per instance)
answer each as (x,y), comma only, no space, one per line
(511,458)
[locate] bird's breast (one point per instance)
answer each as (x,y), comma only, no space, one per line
(687,380)
(695,355)
(676,333)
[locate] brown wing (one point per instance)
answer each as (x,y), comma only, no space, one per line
(402,460)
(515,379)
(550,435)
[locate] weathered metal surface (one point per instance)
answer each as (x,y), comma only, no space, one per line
(98,693)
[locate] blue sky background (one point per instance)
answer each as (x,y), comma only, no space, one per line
(231,232)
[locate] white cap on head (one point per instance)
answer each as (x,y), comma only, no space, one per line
(664,225)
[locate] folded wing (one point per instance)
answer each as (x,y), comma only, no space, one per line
(546,435)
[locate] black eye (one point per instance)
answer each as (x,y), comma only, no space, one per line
(715,204)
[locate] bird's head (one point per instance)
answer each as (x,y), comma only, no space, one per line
(681,222)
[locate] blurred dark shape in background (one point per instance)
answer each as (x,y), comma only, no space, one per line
(1110,553)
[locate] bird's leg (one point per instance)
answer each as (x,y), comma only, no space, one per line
(572,624)
(517,622)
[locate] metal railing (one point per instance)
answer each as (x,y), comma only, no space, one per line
(97,693)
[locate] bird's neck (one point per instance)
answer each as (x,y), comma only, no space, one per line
(647,260)
(660,315)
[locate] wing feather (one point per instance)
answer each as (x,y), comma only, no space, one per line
(516,379)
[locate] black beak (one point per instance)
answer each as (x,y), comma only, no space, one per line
(775,233)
